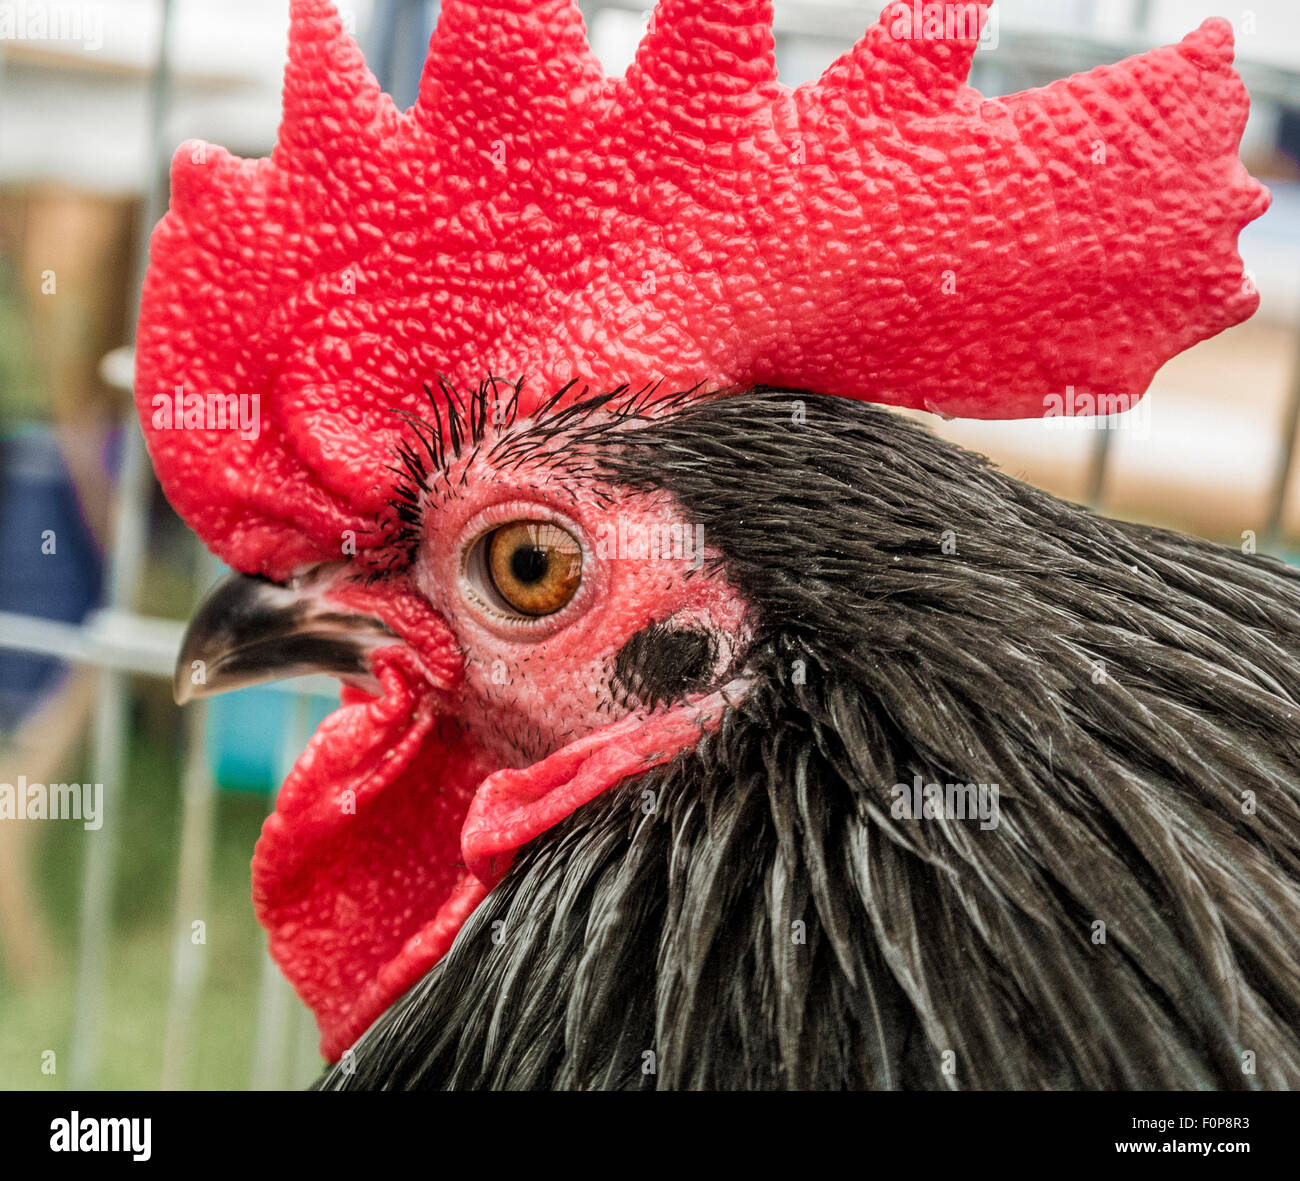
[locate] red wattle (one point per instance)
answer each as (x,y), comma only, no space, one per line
(392,828)
(362,855)
(515,805)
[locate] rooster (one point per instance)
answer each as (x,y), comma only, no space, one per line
(703,724)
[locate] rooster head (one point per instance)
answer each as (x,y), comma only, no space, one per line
(442,317)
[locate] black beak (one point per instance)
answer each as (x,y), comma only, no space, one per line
(250,630)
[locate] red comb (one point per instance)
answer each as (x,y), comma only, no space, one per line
(884,233)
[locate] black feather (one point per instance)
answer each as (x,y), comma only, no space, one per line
(755,915)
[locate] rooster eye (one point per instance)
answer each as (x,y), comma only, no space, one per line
(534,566)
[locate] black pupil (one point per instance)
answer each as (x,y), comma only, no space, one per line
(529,563)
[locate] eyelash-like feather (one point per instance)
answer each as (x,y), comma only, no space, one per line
(427,456)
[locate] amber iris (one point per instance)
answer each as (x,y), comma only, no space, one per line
(535,566)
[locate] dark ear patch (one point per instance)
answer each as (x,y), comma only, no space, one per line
(662,663)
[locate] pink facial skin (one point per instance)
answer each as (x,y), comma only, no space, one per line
(533,685)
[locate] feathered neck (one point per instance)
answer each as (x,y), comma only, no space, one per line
(757,915)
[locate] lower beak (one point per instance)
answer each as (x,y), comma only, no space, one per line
(251,630)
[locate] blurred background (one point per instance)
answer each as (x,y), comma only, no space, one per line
(129,956)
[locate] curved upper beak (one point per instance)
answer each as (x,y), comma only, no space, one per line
(250,630)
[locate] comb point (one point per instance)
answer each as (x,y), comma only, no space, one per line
(330,96)
(487,52)
(689,43)
(1212,46)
